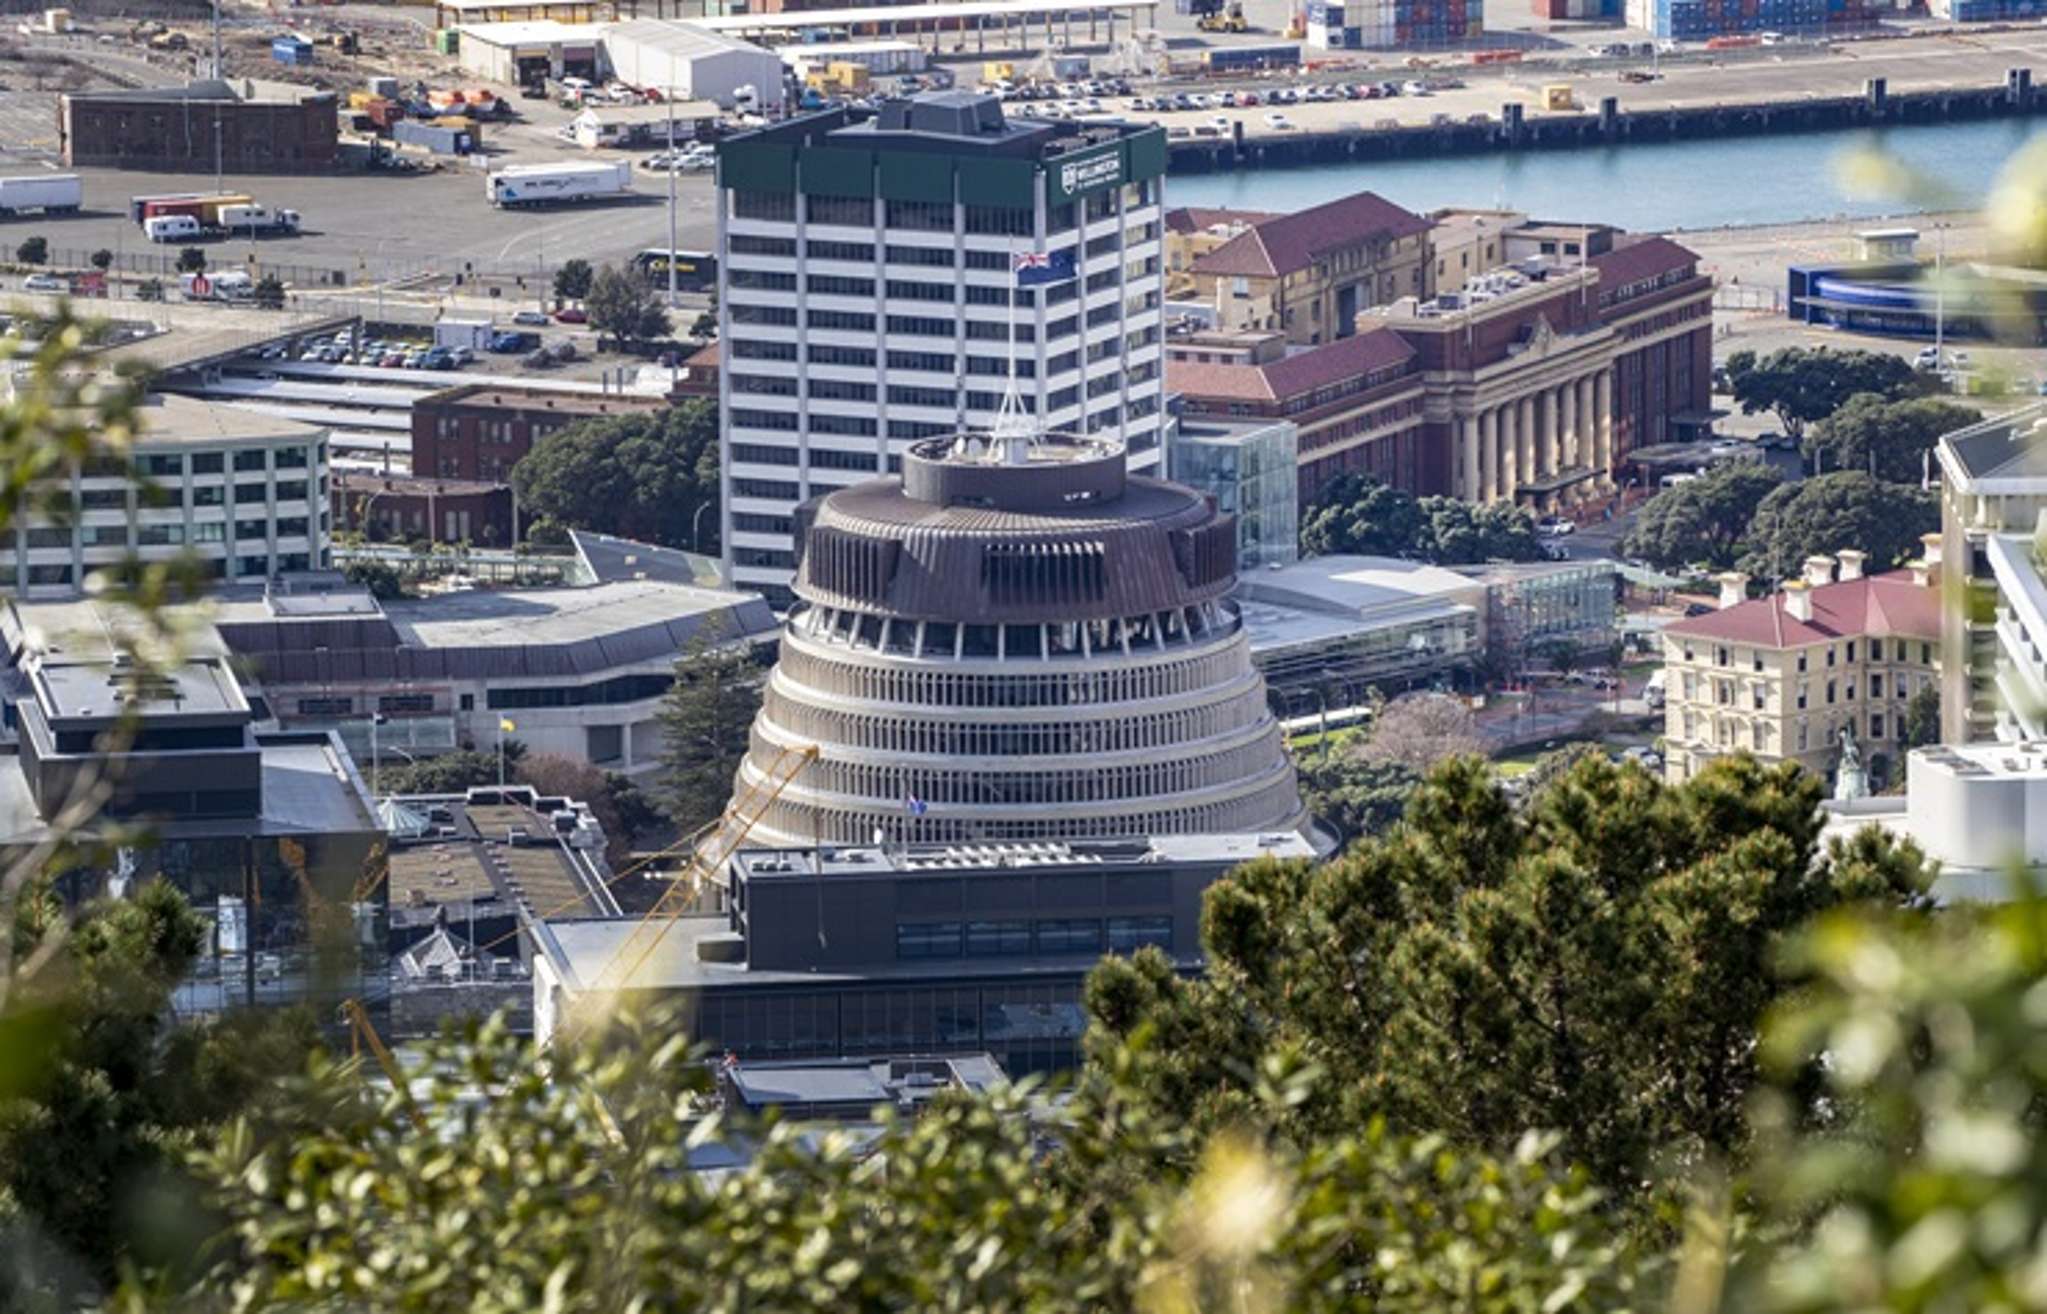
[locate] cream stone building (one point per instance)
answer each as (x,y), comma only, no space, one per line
(1780,676)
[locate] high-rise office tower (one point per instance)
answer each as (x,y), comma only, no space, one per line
(869,296)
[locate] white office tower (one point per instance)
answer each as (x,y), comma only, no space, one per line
(880,280)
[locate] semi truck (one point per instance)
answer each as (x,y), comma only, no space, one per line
(250,217)
(52,193)
(231,213)
(555,184)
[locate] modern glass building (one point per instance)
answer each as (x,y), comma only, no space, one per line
(869,296)
(1250,471)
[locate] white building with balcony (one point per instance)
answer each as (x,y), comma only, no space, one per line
(869,297)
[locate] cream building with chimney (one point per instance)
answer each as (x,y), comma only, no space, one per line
(1780,676)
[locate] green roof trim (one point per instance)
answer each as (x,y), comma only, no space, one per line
(835,171)
(757,167)
(908,177)
(996,181)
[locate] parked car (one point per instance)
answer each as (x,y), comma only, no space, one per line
(1278,122)
(532,318)
(572,315)
(46,283)
(1555,527)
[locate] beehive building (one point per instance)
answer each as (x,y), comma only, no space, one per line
(1016,639)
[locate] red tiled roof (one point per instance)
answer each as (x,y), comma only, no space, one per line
(1292,241)
(1195,218)
(1878,605)
(1290,376)
(1645,257)
(707,356)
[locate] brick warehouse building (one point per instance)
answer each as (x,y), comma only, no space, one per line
(1533,383)
(260,127)
(480,431)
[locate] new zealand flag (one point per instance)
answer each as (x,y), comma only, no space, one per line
(1038,268)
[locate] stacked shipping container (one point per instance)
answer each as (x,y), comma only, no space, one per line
(1702,20)
(1388,24)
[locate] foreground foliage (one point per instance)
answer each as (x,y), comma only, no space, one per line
(1598,965)
(522,1201)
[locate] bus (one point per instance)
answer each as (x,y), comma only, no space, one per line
(695,271)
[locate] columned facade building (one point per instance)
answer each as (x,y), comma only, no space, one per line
(1532,384)
(868,297)
(1016,640)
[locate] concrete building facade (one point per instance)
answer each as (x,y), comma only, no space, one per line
(1993,493)
(242,492)
(868,297)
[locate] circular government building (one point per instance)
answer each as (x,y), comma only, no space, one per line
(1017,640)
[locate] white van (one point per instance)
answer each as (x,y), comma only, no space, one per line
(171,228)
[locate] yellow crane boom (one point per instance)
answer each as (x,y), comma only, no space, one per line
(744,813)
(364,1032)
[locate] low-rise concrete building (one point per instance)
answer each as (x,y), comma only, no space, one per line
(872,951)
(264,832)
(1781,677)
(578,671)
(243,493)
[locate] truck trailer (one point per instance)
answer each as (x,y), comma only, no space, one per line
(204,208)
(555,184)
(52,193)
(249,217)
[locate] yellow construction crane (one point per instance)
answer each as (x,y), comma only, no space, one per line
(705,862)
(364,1032)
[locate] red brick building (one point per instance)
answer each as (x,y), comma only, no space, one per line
(401,508)
(480,431)
(1533,383)
(264,127)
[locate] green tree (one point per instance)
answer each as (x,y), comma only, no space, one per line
(1826,513)
(623,306)
(971,1206)
(1356,795)
(1922,718)
(1358,514)
(705,326)
(1598,964)
(650,477)
(33,251)
(1801,385)
(103,260)
(92,1143)
(451,773)
(381,578)
(1888,439)
(1703,519)
(572,281)
(1355,513)
(705,720)
(192,260)
(1924,1190)
(269,293)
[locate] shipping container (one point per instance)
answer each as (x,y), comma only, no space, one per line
(435,137)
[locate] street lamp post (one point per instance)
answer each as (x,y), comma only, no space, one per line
(696,523)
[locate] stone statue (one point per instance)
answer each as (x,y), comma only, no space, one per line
(1851,781)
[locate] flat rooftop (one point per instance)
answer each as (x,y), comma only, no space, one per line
(100,691)
(309,788)
(169,418)
(1357,585)
(490,845)
(916,13)
(522,618)
(867,859)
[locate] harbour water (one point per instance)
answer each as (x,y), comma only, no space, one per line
(1652,187)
